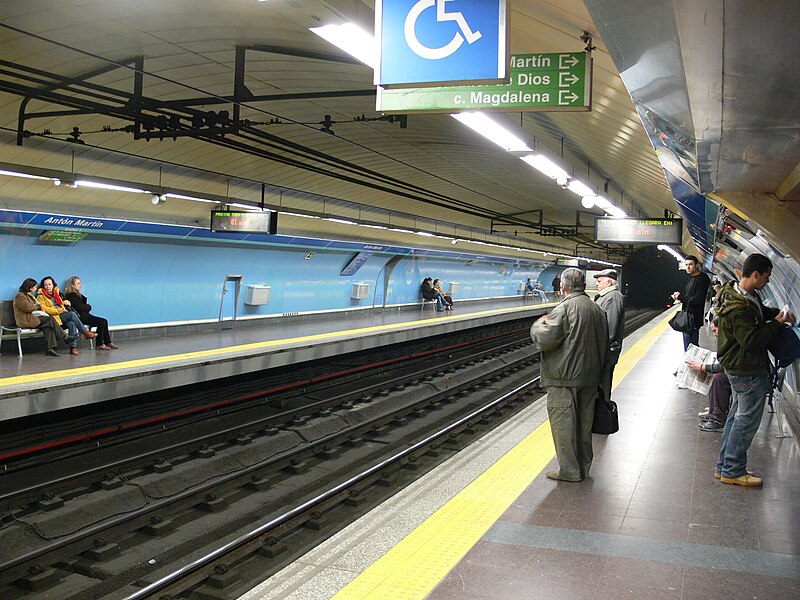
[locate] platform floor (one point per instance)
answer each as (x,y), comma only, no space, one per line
(650,522)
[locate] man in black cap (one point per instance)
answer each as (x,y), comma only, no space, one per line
(610,299)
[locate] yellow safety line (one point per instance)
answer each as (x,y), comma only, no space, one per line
(414,566)
(163,361)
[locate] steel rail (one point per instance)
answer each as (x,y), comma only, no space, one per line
(205,561)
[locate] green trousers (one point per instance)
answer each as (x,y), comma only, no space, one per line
(571,412)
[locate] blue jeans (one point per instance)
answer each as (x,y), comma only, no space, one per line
(74,326)
(744,417)
(693,337)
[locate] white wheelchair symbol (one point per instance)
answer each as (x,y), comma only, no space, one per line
(437,53)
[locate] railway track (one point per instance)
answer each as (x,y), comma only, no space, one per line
(211,515)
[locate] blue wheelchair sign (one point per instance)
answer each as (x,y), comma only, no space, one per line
(441,41)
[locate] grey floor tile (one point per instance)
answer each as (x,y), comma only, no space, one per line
(704,584)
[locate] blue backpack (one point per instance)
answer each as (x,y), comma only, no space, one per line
(786,346)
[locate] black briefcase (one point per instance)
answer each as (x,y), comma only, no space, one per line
(606,419)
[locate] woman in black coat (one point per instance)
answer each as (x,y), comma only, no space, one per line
(72,292)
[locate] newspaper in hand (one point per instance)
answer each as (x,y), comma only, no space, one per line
(692,380)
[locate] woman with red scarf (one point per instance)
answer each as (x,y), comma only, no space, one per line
(51,302)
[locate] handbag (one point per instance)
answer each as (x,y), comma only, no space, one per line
(606,418)
(681,321)
(39,313)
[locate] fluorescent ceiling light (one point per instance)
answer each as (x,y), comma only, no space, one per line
(25,175)
(245,207)
(425,233)
(580,188)
(482,124)
(373,226)
(342,221)
(601,202)
(192,198)
(352,39)
(291,214)
(616,212)
(401,230)
(546,166)
(677,256)
(109,186)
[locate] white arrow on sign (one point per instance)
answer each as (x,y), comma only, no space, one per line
(566,61)
(567,79)
(566,97)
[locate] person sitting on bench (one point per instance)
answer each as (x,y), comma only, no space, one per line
(50,299)
(28,314)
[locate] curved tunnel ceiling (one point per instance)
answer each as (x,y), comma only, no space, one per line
(434,170)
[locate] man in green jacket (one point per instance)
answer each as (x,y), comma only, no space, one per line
(746,327)
(573,339)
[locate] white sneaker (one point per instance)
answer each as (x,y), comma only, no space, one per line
(703,413)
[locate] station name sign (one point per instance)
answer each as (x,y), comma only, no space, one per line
(639,231)
(539,82)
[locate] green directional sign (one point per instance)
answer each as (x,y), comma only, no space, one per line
(539,82)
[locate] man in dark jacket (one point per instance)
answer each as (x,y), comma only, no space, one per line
(746,327)
(611,302)
(693,299)
(573,339)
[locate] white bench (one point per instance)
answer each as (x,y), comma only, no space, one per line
(424,303)
(8,325)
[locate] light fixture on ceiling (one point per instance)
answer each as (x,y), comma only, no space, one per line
(352,39)
(616,212)
(192,198)
(601,202)
(108,186)
(157,199)
(24,175)
(342,221)
(675,254)
(580,188)
(544,165)
(494,132)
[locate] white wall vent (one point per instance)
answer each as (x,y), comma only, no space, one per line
(359,291)
(256,294)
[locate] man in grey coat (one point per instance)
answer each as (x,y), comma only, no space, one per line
(611,301)
(573,339)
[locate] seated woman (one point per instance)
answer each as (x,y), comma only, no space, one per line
(25,309)
(448,300)
(431,294)
(72,293)
(50,299)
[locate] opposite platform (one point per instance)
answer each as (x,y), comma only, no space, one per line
(650,522)
(35,383)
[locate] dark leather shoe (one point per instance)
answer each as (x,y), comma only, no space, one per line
(51,352)
(89,335)
(73,351)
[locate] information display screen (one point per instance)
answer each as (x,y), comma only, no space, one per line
(240,221)
(638,231)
